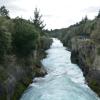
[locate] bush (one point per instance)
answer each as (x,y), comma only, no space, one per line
(24,38)
(98,50)
(5,44)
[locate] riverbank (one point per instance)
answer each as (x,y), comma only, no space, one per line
(16,75)
(84,52)
(22,46)
(83,40)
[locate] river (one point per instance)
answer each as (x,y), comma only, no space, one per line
(64,81)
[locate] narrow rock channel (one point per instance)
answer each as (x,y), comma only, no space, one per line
(64,81)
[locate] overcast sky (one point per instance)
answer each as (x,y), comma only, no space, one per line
(56,13)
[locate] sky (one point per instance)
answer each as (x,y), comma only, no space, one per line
(56,13)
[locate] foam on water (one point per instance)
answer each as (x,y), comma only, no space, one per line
(64,81)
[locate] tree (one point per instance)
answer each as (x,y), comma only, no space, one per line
(98,16)
(37,19)
(6,27)
(5,43)
(24,38)
(4,11)
(86,18)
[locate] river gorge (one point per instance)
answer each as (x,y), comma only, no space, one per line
(64,81)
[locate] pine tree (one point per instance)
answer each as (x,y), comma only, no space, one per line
(98,16)
(37,19)
(4,11)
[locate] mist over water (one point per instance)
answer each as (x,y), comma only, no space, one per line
(64,81)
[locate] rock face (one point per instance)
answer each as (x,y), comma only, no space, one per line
(84,52)
(83,40)
(15,77)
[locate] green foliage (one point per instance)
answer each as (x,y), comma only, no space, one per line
(85,28)
(20,88)
(37,20)
(18,35)
(44,43)
(98,50)
(23,38)
(98,16)
(95,34)
(18,40)
(95,86)
(4,11)
(5,40)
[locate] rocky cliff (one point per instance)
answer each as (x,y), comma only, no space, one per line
(83,40)
(84,52)
(15,76)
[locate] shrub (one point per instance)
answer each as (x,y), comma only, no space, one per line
(24,38)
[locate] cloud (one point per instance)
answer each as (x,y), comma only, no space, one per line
(10,5)
(56,13)
(6,2)
(91,9)
(44,15)
(15,8)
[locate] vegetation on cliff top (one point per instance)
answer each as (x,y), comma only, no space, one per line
(19,39)
(83,39)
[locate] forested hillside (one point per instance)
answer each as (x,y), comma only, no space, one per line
(22,45)
(83,40)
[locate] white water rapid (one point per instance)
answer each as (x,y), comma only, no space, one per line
(64,81)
